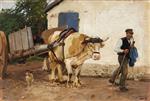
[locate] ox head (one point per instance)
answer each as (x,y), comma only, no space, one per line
(94,45)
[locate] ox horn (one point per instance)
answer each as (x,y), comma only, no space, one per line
(105,39)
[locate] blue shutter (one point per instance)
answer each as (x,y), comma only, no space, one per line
(70,19)
(62,20)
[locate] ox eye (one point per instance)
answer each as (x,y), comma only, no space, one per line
(102,44)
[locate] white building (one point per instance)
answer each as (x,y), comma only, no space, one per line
(106,19)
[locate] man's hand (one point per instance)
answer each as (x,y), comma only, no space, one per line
(126,51)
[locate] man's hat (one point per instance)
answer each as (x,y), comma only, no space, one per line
(129,31)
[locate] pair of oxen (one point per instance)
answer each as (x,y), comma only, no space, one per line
(77,48)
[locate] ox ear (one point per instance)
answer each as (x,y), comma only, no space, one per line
(102,43)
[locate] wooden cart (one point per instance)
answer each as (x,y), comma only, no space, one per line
(20,45)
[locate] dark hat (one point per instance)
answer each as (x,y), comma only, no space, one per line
(129,31)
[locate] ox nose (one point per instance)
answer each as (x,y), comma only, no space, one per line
(96,57)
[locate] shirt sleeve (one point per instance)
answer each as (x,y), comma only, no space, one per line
(118,46)
(131,41)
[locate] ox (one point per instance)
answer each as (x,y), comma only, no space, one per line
(77,48)
(3,54)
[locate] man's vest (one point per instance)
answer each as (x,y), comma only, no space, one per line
(125,45)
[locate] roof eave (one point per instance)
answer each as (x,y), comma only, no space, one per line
(52,5)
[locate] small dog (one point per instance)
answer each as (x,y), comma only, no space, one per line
(29,77)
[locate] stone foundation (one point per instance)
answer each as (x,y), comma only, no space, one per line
(135,73)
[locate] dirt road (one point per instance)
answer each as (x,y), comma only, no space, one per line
(93,89)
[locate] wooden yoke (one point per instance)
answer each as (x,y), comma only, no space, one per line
(3,55)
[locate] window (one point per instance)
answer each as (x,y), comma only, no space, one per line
(69,19)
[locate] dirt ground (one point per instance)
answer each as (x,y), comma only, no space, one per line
(93,88)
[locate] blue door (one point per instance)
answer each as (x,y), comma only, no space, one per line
(70,19)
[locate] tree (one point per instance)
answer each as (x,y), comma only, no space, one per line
(9,21)
(33,11)
(26,13)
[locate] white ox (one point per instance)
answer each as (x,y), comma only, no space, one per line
(78,48)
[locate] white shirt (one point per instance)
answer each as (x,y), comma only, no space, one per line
(119,44)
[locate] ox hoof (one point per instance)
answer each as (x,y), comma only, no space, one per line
(62,81)
(79,82)
(52,80)
(69,84)
(4,75)
(76,84)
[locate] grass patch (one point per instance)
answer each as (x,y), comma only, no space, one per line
(35,58)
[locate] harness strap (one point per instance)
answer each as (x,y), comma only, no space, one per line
(63,50)
(63,35)
(62,63)
(97,52)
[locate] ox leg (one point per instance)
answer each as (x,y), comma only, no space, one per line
(44,67)
(5,60)
(52,76)
(76,82)
(60,76)
(69,72)
(69,80)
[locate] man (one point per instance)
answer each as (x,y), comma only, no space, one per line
(122,48)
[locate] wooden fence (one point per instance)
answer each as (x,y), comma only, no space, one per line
(21,40)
